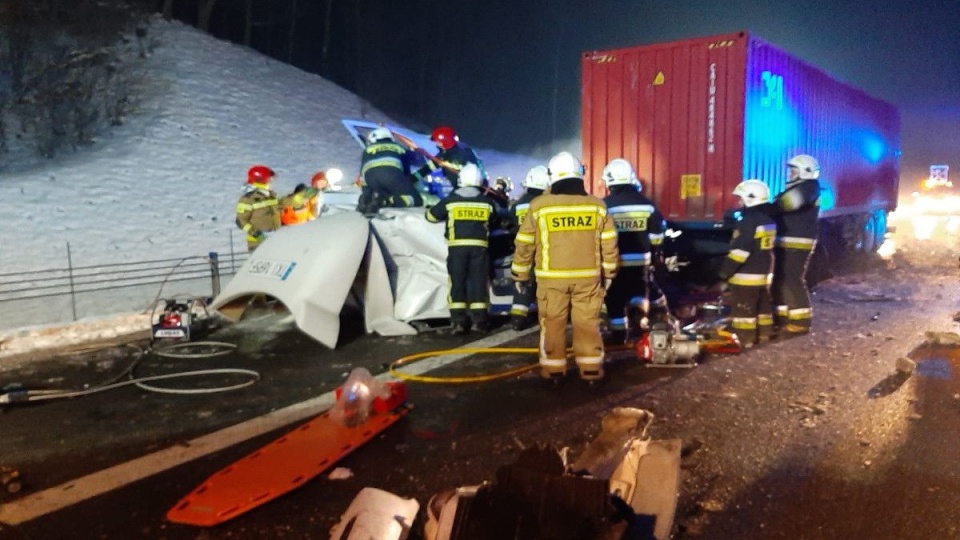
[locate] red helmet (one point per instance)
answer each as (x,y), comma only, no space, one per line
(445,137)
(319,180)
(260,174)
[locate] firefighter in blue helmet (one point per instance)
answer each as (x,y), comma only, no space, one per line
(385,171)
(640,231)
(469,215)
(796,211)
(524,306)
(748,267)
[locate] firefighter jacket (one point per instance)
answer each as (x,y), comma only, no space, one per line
(520,207)
(456,157)
(469,215)
(640,226)
(298,207)
(750,259)
(386,154)
(566,239)
(258,211)
(796,213)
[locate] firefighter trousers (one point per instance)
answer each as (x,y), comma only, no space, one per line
(791,299)
(523,300)
(751,313)
(580,303)
(392,187)
(634,290)
(468,268)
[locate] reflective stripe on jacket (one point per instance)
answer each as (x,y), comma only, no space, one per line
(567,238)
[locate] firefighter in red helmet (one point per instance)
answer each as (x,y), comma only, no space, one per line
(453,154)
(258,210)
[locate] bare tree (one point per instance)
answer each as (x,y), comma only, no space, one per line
(204,12)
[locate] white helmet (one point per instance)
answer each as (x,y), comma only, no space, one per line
(807,167)
(619,172)
(379,134)
(470,176)
(753,192)
(562,166)
(537,178)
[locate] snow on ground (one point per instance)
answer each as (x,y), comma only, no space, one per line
(165,185)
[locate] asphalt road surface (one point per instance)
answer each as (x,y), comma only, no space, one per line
(817,437)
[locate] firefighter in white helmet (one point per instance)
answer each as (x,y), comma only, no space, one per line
(535,183)
(748,267)
(640,231)
(469,215)
(569,240)
(796,210)
(385,168)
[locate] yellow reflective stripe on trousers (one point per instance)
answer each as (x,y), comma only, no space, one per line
(568,274)
(750,280)
(478,243)
(800,314)
(738,255)
(796,242)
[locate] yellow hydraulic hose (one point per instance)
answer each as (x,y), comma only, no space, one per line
(512,372)
(465,379)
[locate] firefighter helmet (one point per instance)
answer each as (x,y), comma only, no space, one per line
(619,172)
(445,137)
(806,166)
(752,192)
(320,181)
(470,176)
(334,177)
(537,178)
(260,174)
(562,166)
(379,134)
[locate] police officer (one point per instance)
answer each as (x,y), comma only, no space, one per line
(385,168)
(469,215)
(453,154)
(748,267)
(796,210)
(534,184)
(640,230)
(570,240)
(258,210)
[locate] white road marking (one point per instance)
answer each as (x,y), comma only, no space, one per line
(80,489)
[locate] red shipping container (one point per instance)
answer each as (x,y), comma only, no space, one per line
(698,116)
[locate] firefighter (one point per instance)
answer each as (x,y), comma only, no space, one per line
(534,184)
(640,231)
(385,169)
(453,154)
(258,210)
(796,210)
(569,240)
(323,181)
(297,207)
(748,266)
(469,215)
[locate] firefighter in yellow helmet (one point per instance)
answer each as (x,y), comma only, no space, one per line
(258,210)
(570,241)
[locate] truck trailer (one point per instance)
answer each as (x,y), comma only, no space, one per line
(697,116)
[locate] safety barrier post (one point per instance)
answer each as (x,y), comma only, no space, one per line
(73,294)
(215,273)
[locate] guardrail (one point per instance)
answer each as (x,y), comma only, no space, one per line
(72,280)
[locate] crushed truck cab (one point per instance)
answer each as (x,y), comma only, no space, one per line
(393,265)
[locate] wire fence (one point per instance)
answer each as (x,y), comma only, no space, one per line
(46,295)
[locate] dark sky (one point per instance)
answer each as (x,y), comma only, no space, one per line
(506,73)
